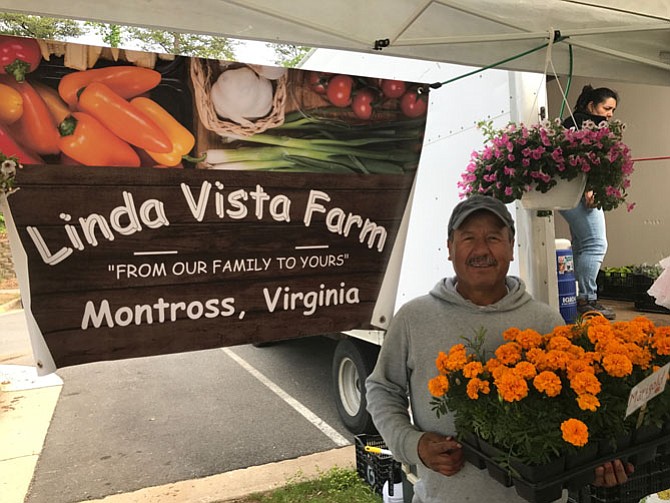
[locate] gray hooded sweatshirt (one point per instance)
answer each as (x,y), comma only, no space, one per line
(419,331)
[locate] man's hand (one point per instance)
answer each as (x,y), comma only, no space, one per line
(440,453)
(612,473)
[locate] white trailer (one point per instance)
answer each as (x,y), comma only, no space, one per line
(420,258)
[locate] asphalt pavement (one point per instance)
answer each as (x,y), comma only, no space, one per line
(186,427)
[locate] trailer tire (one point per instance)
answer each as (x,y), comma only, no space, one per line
(353,362)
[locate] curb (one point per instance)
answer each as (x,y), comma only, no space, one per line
(13,304)
(233,486)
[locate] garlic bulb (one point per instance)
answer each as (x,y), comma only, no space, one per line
(269,72)
(241,94)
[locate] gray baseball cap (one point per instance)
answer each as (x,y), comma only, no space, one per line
(478,202)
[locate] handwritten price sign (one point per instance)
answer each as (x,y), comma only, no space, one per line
(647,389)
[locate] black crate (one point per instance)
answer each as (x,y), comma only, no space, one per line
(376,469)
(615,285)
(647,479)
(643,301)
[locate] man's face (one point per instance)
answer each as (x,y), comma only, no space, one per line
(481,251)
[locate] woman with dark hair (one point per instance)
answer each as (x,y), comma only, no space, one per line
(587,223)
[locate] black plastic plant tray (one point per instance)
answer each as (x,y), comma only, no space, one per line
(551,489)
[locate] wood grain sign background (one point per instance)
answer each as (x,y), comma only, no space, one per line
(135,262)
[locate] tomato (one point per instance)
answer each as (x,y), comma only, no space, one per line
(339,90)
(414,104)
(318,82)
(362,103)
(393,88)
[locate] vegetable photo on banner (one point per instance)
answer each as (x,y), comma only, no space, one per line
(36,128)
(19,56)
(125,80)
(87,141)
(122,118)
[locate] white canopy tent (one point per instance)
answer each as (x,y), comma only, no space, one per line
(611,39)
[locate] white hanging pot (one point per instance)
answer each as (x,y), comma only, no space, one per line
(564,196)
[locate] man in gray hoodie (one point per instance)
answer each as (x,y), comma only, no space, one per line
(481,247)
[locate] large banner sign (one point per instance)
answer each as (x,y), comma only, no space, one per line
(177,204)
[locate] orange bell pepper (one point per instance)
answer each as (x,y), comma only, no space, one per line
(86,140)
(123,119)
(36,129)
(181,138)
(11,105)
(126,81)
(59,110)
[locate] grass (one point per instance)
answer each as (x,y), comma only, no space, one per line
(337,485)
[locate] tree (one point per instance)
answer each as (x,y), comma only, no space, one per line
(204,46)
(39,27)
(112,34)
(289,55)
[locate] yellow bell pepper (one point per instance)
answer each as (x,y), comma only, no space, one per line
(181,138)
(55,104)
(11,105)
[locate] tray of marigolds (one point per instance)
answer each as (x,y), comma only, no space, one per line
(548,488)
(266,118)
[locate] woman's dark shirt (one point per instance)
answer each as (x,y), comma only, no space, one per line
(580,118)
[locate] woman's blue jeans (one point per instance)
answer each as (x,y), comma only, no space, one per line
(589,245)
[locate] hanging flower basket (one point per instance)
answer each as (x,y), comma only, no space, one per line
(565,195)
(521,161)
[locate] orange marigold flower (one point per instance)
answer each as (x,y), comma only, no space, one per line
(498,371)
(598,331)
(457,357)
(548,383)
(588,402)
(560,343)
(661,344)
(638,355)
(529,338)
(575,432)
(556,360)
(492,364)
(441,362)
(566,331)
(509,353)
(510,334)
(580,365)
(473,369)
(536,356)
(438,386)
(585,382)
(476,386)
(526,370)
(511,387)
(617,365)
(645,324)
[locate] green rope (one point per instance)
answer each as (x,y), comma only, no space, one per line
(437,85)
(567,87)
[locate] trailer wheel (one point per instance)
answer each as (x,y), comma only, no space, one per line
(352,364)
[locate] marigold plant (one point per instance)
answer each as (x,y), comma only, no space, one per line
(540,396)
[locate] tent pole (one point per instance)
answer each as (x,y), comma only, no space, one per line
(618,54)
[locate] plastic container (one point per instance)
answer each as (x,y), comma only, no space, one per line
(567,285)
(396,497)
(375,469)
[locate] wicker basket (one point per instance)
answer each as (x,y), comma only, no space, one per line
(204,73)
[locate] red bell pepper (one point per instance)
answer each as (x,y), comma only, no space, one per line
(9,147)
(19,56)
